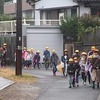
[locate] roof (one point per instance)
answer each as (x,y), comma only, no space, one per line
(10,8)
(87,0)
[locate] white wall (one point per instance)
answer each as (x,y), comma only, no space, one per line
(44,4)
(83,10)
(39,37)
(14,1)
(37,17)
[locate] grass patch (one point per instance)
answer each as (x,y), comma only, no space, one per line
(10,74)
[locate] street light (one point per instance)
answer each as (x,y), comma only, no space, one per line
(19,38)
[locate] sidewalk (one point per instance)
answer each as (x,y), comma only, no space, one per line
(5,83)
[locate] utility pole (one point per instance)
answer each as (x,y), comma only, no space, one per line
(1,7)
(19,38)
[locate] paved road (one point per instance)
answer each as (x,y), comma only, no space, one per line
(56,87)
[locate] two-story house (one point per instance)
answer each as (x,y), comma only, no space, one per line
(54,9)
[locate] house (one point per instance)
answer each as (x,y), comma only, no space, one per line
(55,9)
(46,31)
(92,5)
(27,10)
(48,14)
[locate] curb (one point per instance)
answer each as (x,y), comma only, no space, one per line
(5,83)
(6,86)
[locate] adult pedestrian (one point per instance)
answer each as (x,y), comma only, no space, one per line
(54,59)
(46,57)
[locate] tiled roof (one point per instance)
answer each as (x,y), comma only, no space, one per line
(11,7)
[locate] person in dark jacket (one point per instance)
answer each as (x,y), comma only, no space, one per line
(3,55)
(54,61)
(37,59)
(65,59)
(71,72)
(46,58)
(96,68)
(91,51)
(77,71)
(76,54)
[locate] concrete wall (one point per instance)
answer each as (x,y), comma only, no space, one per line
(86,10)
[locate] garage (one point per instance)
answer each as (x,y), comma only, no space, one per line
(39,37)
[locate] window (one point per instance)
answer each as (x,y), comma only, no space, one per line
(73,12)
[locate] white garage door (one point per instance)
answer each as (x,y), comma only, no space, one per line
(40,41)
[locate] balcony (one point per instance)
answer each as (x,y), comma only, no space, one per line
(10,26)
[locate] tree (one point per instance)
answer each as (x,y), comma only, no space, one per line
(79,26)
(88,24)
(5,18)
(2,6)
(69,25)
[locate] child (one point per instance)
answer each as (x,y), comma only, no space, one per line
(71,72)
(54,61)
(88,67)
(77,71)
(37,59)
(82,62)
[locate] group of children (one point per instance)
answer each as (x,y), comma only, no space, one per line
(29,58)
(86,65)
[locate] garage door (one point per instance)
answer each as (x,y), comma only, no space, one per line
(40,41)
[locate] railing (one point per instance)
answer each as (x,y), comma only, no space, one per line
(40,22)
(10,26)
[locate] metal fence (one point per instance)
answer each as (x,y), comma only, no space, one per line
(10,39)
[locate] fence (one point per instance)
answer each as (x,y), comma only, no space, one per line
(10,39)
